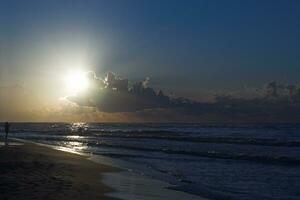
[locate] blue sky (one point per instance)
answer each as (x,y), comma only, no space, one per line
(187,47)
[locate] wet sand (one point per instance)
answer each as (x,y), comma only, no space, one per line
(29,171)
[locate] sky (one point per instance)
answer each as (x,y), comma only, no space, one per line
(191,49)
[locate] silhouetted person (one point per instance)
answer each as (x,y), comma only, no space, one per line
(6,127)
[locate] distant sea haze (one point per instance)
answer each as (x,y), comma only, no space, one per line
(218,161)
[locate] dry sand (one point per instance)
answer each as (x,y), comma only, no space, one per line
(31,171)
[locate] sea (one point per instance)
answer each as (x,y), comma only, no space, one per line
(216,161)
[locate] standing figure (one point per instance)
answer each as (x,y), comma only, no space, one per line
(6,127)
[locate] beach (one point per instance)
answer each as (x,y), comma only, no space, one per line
(150,161)
(29,171)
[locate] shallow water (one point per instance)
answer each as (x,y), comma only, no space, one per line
(219,161)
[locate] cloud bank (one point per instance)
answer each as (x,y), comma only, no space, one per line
(112,94)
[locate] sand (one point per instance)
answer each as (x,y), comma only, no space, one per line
(29,171)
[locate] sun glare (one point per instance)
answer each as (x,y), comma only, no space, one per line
(76,82)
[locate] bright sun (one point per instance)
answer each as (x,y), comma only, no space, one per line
(76,82)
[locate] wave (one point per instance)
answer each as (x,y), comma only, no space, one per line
(284,160)
(280,160)
(179,138)
(262,159)
(222,140)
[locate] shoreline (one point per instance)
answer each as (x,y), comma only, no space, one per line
(130,185)
(120,180)
(30,171)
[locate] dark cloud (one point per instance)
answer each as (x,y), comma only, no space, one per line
(115,94)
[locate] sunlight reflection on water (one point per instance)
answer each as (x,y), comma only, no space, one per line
(73,137)
(76,146)
(79,127)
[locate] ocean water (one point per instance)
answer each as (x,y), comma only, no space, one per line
(218,161)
